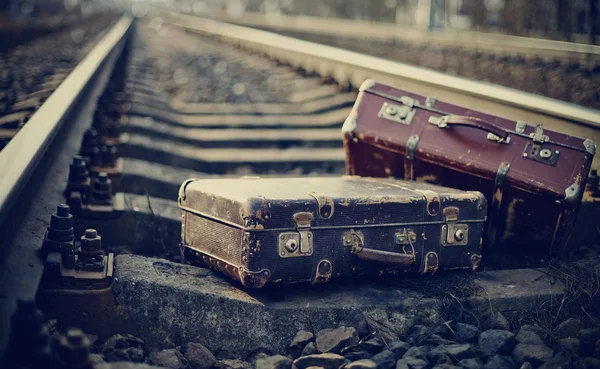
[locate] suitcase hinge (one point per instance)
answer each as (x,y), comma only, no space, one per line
(300,243)
(453,233)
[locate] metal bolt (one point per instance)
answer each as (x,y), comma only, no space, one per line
(62,210)
(459,235)
(102,188)
(390,110)
(29,340)
(61,225)
(77,170)
(91,241)
(74,349)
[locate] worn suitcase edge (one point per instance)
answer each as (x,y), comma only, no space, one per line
(248,279)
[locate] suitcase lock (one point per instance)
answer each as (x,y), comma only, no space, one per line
(300,243)
(398,113)
(454,234)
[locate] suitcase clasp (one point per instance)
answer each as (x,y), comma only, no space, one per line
(398,113)
(405,237)
(538,135)
(300,243)
(454,234)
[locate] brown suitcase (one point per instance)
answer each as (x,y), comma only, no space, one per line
(532,178)
(288,230)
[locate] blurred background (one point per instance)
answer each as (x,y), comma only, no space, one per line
(566,20)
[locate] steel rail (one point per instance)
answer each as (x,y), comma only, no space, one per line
(352,68)
(20,157)
(499,44)
(20,266)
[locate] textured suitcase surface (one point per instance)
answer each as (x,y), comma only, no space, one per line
(532,178)
(287,230)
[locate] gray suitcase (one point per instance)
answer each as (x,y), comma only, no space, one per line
(313,229)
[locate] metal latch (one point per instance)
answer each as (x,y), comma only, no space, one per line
(538,134)
(453,233)
(300,243)
(537,153)
(520,126)
(492,137)
(398,113)
(405,237)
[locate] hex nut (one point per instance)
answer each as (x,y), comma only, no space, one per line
(91,241)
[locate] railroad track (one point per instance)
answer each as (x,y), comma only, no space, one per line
(32,71)
(498,44)
(175,97)
(561,70)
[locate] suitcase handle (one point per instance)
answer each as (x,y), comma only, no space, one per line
(386,257)
(462,120)
(356,240)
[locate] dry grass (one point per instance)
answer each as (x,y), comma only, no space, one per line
(581,281)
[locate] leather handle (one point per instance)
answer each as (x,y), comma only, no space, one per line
(356,240)
(461,120)
(386,257)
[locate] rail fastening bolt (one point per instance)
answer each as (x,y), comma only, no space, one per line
(78,170)
(91,241)
(102,188)
(74,349)
(61,225)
